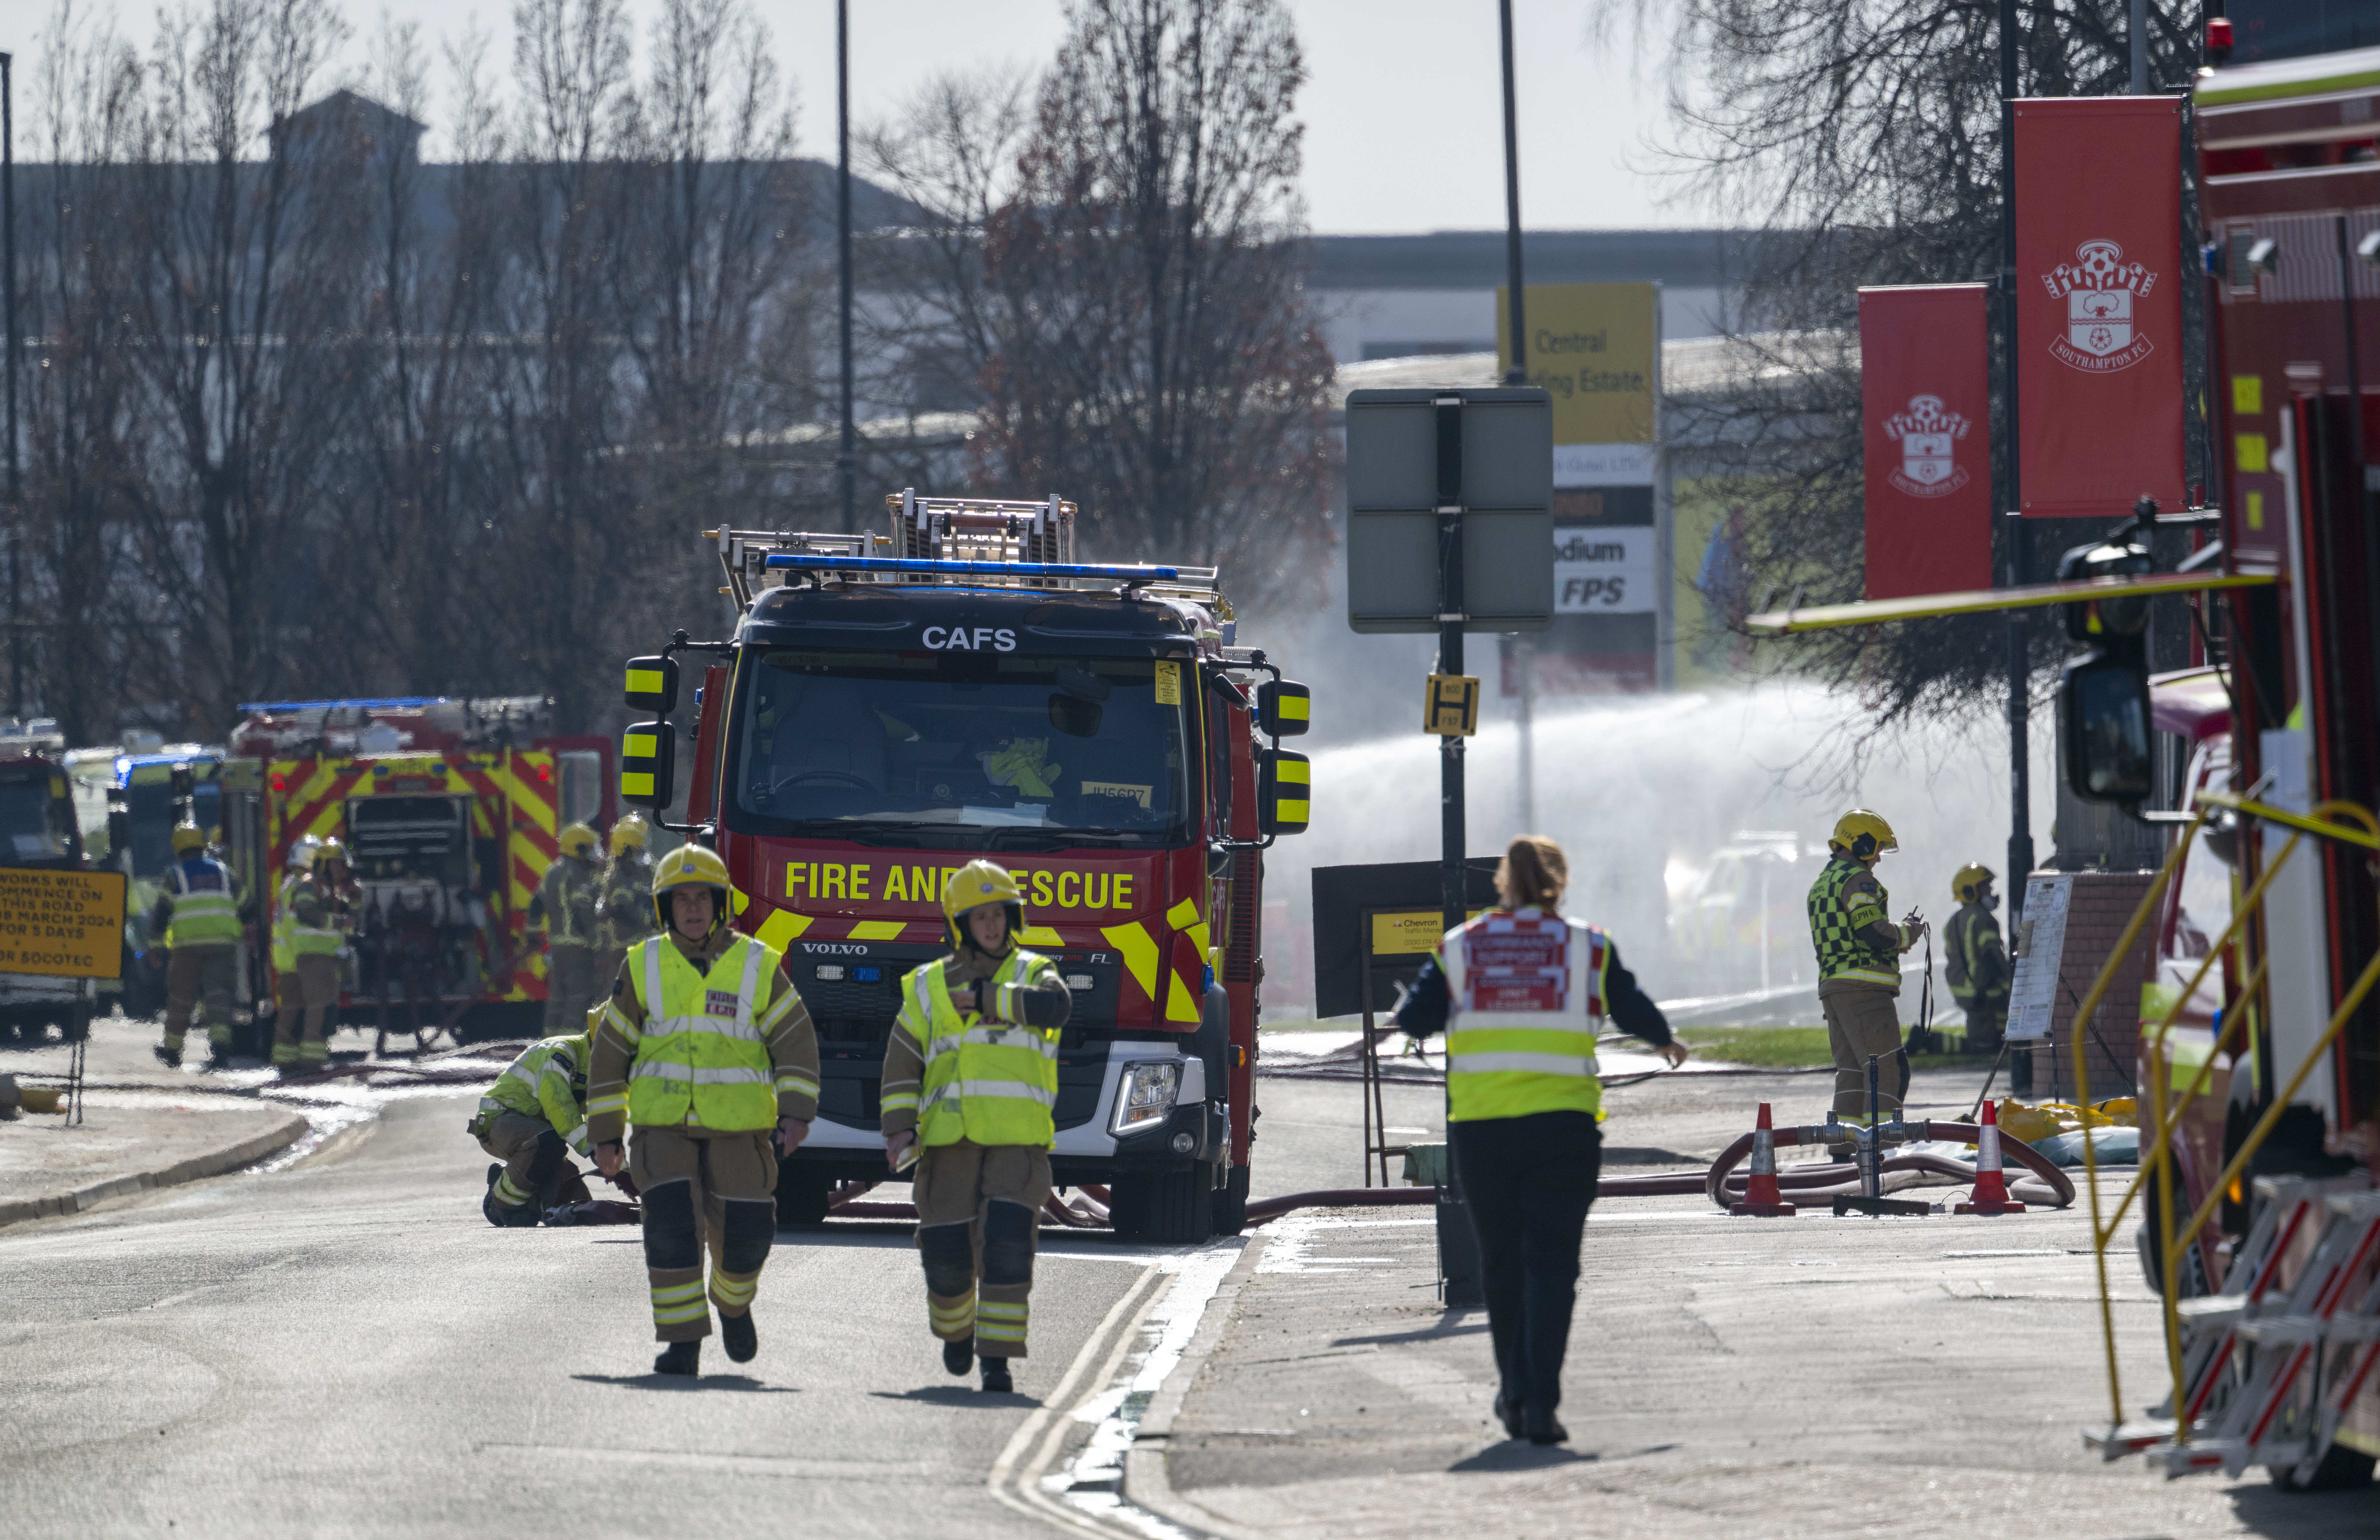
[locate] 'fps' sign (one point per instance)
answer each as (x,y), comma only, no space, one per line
(1603,571)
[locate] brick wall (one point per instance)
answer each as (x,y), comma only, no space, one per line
(2102,904)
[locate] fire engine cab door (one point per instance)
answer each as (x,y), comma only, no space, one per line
(582,784)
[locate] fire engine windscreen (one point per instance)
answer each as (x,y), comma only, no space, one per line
(961,749)
(150,804)
(34,825)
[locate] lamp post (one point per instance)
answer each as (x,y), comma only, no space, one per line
(844,469)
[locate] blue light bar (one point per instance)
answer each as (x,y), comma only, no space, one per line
(382,703)
(974,569)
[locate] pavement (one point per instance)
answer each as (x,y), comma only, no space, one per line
(1913,1377)
(332,1341)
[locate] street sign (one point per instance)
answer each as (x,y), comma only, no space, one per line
(62,924)
(1451,706)
(1501,477)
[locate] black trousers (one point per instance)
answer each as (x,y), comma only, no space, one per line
(1528,1183)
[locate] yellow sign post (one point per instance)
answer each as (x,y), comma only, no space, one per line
(62,924)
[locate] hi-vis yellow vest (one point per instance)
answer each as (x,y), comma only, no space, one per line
(1526,994)
(701,1051)
(987,1083)
(206,910)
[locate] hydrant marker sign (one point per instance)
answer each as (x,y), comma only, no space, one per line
(62,924)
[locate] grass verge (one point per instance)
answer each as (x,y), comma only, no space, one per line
(1796,1048)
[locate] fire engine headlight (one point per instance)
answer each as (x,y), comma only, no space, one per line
(1145,1098)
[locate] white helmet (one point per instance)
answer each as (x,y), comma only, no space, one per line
(301,853)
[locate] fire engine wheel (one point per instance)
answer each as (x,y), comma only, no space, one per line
(1167,1208)
(1232,1203)
(802,1194)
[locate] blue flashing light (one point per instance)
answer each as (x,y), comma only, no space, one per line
(868,976)
(974,569)
(381,703)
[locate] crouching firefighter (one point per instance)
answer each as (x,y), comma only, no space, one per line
(706,1050)
(970,1078)
(530,1121)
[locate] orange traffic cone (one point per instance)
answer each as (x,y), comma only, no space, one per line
(1990,1196)
(1761,1195)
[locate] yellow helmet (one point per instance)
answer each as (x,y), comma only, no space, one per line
(691,865)
(1969,881)
(628,834)
(973,886)
(327,852)
(1863,836)
(187,838)
(577,839)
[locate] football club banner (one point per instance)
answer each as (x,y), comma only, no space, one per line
(1925,413)
(2099,278)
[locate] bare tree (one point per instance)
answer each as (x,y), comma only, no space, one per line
(1129,289)
(1863,138)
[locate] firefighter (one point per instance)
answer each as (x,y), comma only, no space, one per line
(625,907)
(285,995)
(1976,964)
(566,901)
(1859,968)
(321,916)
(970,1076)
(1523,1103)
(704,1048)
(200,913)
(530,1120)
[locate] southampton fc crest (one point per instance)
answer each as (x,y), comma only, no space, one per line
(1927,432)
(2099,286)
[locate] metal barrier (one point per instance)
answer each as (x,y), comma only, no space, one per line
(2157,1154)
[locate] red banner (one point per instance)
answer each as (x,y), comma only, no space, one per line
(1925,415)
(2099,275)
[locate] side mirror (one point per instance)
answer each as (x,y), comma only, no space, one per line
(1284,784)
(2104,702)
(653,685)
(1219,861)
(649,763)
(1282,707)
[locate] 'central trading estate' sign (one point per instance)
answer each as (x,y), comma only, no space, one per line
(64,924)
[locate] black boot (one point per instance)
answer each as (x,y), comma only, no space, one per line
(1541,1425)
(1508,1411)
(680,1358)
(959,1357)
(739,1335)
(995,1377)
(169,1057)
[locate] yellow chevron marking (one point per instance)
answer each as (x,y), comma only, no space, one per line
(1039,936)
(781,928)
(1139,953)
(877,930)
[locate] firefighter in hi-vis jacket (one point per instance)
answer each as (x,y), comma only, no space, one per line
(705,1050)
(970,1079)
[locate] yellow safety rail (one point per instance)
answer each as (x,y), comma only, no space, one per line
(2157,1155)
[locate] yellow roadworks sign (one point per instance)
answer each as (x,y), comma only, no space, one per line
(62,924)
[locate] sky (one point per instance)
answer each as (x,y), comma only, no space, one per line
(1403,125)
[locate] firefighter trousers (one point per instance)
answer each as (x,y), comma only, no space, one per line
(1864,1022)
(1987,1022)
(515,1139)
(698,1186)
(300,1029)
(570,987)
(201,975)
(978,1209)
(1528,1183)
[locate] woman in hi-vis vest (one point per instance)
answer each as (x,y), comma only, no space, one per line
(1520,993)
